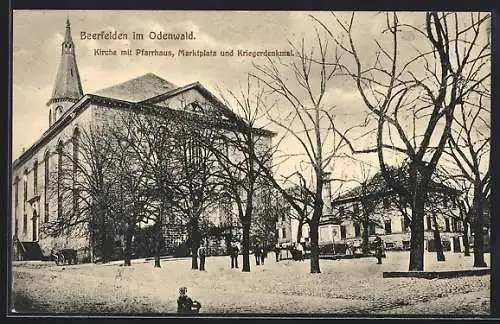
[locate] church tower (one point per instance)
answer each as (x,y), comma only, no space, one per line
(67,87)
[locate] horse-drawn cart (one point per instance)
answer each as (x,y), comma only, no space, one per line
(64,256)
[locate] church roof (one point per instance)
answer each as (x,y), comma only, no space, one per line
(67,85)
(138,89)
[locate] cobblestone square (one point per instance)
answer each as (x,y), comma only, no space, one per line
(352,286)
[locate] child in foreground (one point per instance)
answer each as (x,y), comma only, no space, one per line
(185,304)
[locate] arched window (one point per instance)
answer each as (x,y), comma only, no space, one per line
(76,144)
(57,113)
(35,177)
(59,178)
(25,200)
(16,203)
(76,148)
(46,186)
(50,117)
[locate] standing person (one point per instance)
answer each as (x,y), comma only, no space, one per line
(263,255)
(300,252)
(277,252)
(201,255)
(257,254)
(378,248)
(234,256)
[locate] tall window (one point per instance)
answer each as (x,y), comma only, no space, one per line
(76,135)
(429,225)
(50,117)
(25,201)
(283,233)
(16,203)
(447,224)
(46,186)
(342,232)
(355,208)
(371,229)
(388,226)
(404,224)
(35,177)
(357,229)
(59,178)
(194,153)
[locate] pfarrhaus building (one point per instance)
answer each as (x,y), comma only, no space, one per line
(69,112)
(344,219)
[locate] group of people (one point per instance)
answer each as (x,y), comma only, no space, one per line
(260,254)
(188,306)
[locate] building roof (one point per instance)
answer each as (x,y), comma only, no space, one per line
(67,85)
(138,89)
(378,186)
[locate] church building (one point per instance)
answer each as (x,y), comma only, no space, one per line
(69,111)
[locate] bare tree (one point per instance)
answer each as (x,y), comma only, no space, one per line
(244,149)
(131,195)
(195,184)
(82,183)
(153,145)
(469,148)
(450,63)
(300,87)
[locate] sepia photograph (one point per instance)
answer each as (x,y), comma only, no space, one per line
(281,163)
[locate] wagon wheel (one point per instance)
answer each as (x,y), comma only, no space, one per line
(61,258)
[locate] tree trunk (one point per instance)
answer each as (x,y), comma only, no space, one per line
(465,238)
(299,230)
(195,244)
(478,233)
(437,240)
(158,238)
(313,232)
(365,248)
(91,247)
(417,234)
(128,245)
(246,246)
(228,238)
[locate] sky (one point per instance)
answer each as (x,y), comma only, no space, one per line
(37,37)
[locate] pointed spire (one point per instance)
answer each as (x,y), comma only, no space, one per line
(67,36)
(67,86)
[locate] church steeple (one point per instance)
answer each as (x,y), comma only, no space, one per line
(67,87)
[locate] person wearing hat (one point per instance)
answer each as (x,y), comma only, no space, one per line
(378,248)
(234,255)
(201,255)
